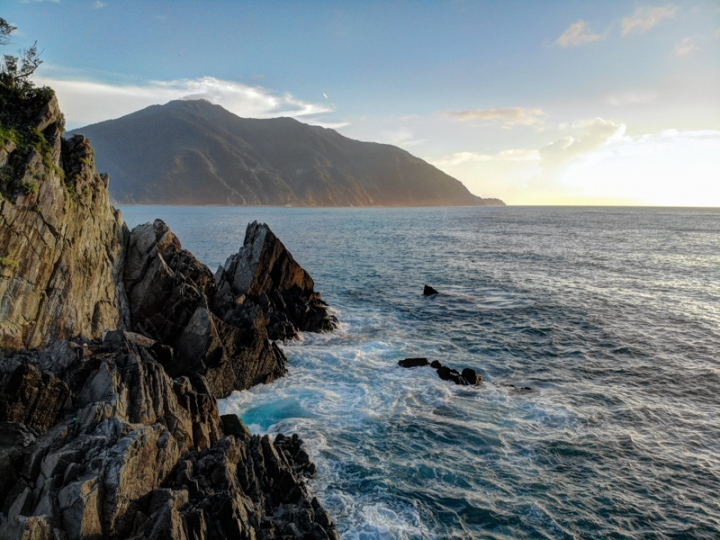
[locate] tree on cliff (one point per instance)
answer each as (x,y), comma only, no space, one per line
(15,71)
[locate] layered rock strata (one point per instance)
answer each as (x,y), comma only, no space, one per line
(114,346)
(60,239)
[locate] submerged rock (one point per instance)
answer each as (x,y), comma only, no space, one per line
(265,272)
(429,291)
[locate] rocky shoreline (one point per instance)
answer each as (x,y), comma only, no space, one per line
(115,346)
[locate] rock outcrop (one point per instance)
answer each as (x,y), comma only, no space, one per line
(264,272)
(60,239)
(172,299)
(114,347)
(136,454)
(468,377)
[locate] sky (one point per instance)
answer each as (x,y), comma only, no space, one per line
(557,102)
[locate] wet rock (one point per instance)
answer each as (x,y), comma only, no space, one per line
(265,272)
(447,374)
(429,291)
(413,362)
(471,376)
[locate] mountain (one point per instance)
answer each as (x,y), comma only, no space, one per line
(194,152)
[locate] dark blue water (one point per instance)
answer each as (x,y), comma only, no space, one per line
(611,316)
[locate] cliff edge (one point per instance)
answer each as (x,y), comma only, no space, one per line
(114,347)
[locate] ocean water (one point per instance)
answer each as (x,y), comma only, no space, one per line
(610,315)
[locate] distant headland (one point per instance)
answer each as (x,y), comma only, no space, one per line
(196,153)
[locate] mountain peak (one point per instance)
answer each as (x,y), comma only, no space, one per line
(192,151)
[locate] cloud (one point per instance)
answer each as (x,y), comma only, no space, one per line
(646,17)
(631,97)
(589,135)
(577,34)
(513,116)
(86,102)
(39,1)
(401,137)
(97,5)
(684,47)
(469,157)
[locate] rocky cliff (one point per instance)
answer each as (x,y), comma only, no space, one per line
(60,246)
(194,152)
(115,347)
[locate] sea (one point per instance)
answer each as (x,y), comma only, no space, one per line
(610,316)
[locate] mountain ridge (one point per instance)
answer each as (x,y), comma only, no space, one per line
(195,152)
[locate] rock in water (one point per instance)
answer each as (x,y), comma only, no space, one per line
(471,376)
(413,362)
(429,291)
(265,272)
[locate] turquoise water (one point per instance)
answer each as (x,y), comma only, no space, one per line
(611,316)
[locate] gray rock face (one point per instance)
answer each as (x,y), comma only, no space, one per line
(140,455)
(266,273)
(116,432)
(60,241)
(171,297)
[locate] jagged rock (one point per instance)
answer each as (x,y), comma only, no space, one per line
(62,236)
(141,455)
(170,297)
(413,362)
(429,291)
(116,432)
(265,272)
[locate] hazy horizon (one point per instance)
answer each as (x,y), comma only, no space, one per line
(612,103)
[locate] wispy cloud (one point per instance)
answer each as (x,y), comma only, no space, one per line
(38,1)
(646,17)
(513,116)
(98,5)
(631,97)
(86,102)
(577,34)
(589,135)
(470,157)
(684,47)
(403,136)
